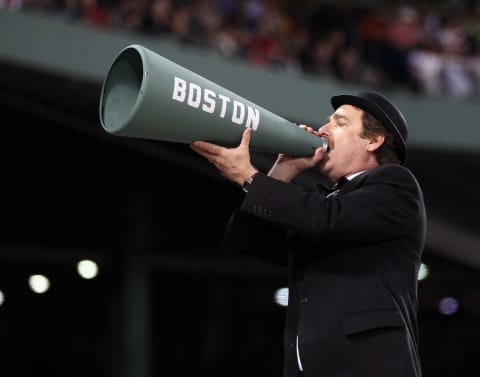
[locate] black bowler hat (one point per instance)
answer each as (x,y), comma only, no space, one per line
(385,111)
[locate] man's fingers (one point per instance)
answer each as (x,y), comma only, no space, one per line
(203,147)
(318,155)
(307,128)
(246,138)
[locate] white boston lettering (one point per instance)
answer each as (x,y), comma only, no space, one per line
(238,112)
(194,95)
(225,100)
(253,118)
(179,89)
(206,99)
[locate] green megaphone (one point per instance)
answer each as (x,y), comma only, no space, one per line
(147,96)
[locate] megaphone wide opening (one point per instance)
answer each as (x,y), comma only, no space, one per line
(121,90)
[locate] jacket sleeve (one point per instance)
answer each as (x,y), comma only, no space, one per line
(383,206)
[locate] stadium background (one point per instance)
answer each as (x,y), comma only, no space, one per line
(167,300)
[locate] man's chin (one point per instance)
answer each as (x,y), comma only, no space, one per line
(324,162)
(323,167)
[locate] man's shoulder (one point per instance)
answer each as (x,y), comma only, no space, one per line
(393,173)
(391,169)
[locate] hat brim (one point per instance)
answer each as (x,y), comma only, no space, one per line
(372,108)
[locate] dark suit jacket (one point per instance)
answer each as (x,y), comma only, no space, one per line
(352,265)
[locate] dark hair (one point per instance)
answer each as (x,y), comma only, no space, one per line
(372,127)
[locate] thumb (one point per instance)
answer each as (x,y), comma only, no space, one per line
(318,154)
(246,138)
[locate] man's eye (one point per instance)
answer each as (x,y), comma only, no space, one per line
(342,124)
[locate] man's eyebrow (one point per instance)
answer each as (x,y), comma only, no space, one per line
(338,117)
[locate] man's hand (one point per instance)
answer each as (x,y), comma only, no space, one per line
(287,167)
(233,163)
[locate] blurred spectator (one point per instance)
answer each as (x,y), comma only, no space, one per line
(94,13)
(372,29)
(180,24)
(348,65)
(205,22)
(425,66)
(157,20)
(402,35)
(324,52)
(253,11)
(129,14)
(267,34)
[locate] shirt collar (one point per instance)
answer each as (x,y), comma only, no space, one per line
(351,176)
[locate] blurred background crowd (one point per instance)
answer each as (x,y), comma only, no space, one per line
(431,47)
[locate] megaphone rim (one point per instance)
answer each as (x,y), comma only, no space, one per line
(140,52)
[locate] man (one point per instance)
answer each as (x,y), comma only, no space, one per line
(353,255)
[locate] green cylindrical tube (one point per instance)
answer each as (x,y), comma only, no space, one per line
(145,95)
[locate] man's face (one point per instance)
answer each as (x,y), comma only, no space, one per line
(348,151)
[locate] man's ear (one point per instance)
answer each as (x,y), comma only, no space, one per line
(375,142)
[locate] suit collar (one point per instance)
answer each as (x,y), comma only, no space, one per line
(329,187)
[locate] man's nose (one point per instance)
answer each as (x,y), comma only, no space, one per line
(323,130)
